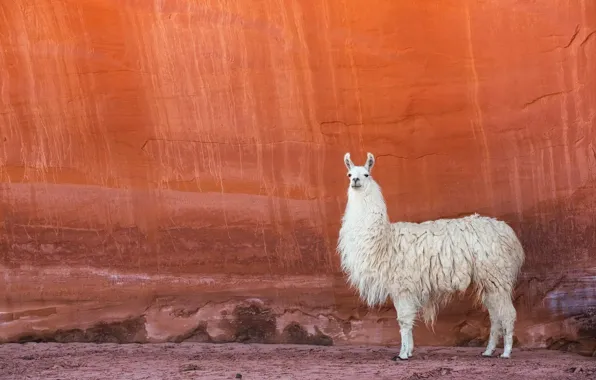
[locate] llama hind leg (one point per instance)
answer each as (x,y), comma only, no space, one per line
(495,332)
(508,316)
(406,314)
(502,318)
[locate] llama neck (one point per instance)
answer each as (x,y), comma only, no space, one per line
(364,241)
(365,222)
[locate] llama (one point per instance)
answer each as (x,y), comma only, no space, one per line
(421,265)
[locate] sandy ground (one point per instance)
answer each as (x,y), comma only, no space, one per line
(206,361)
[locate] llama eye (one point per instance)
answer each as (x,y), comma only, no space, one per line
(349,175)
(366,175)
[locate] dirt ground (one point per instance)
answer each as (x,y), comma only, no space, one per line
(50,361)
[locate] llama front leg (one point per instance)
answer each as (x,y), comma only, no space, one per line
(406,314)
(411,343)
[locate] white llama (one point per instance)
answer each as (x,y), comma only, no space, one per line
(420,265)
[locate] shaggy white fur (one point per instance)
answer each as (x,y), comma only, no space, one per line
(421,265)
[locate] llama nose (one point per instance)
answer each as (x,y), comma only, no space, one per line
(356,180)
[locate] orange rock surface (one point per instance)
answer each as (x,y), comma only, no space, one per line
(172,170)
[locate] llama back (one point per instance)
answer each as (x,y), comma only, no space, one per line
(438,258)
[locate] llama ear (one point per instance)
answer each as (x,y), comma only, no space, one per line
(370,162)
(348,161)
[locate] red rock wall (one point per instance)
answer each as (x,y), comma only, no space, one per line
(173,170)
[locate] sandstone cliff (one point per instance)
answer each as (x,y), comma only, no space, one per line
(172,170)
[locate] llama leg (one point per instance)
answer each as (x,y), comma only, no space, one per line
(491,302)
(508,316)
(502,316)
(495,332)
(411,344)
(406,313)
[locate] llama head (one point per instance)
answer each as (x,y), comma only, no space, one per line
(359,176)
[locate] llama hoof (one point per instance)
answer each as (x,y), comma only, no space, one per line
(487,354)
(396,357)
(505,356)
